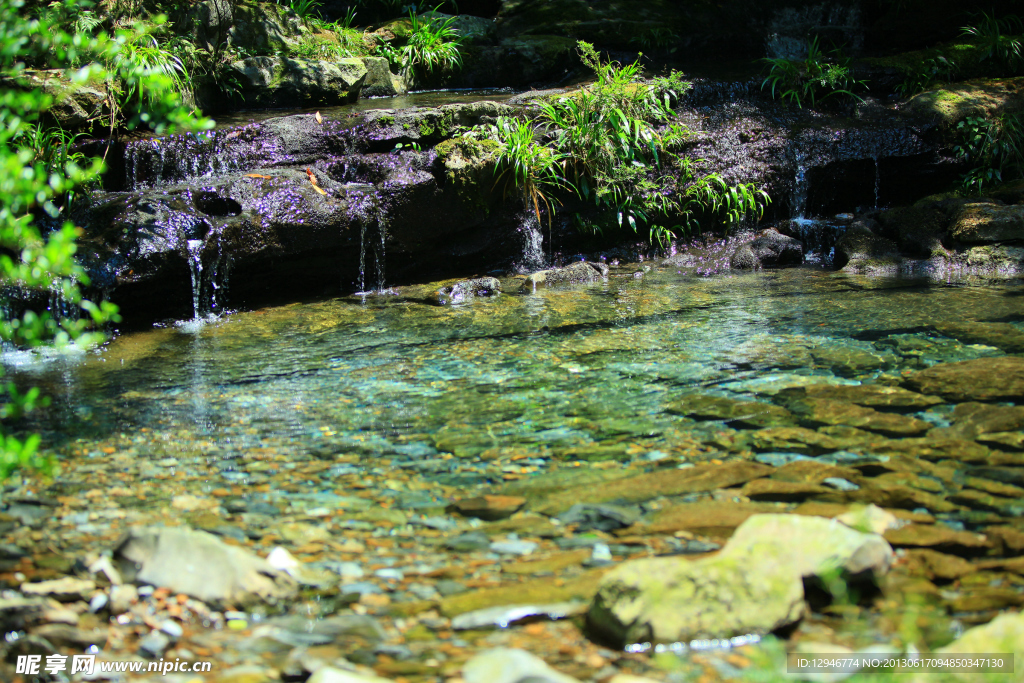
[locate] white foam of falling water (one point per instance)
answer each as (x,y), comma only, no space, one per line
(195,263)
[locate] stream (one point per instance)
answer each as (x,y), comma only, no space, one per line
(346,428)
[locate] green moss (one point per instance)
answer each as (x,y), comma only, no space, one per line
(426,129)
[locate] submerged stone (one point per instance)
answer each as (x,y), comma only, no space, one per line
(823,411)
(982,379)
(868,395)
(740,413)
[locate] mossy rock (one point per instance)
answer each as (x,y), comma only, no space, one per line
(953,103)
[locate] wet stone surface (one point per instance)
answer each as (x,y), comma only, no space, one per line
(416,485)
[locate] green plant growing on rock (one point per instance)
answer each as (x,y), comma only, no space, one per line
(818,76)
(930,71)
(41,175)
(533,170)
(1000,38)
(613,154)
(433,43)
(993,148)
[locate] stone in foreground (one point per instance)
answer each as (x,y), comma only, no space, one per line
(505,665)
(200,565)
(754,585)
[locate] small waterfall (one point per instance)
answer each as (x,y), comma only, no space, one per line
(373,235)
(801,186)
(878,181)
(533,243)
(195,263)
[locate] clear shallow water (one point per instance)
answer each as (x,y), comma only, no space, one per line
(548,372)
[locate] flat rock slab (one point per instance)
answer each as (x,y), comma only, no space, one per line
(200,565)
(754,585)
(1003,336)
(489,507)
(654,484)
(982,379)
(869,395)
(823,411)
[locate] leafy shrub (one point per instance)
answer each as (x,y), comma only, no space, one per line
(532,169)
(41,175)
(927,74)
(433,43)
(1000,38)
(993,148)
(818,76)
(603,143)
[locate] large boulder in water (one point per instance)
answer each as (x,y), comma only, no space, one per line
(861,249)
(983,222)
(573,274)
(754,585)
(281,81)
(770,249)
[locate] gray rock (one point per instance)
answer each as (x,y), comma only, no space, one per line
(199,564)
(575,273)
(332,628)
(744,259)
(448,587)
(775,250)
(601,517)
(513,547)
(467,289)
(280,81)
(503,665)
(504,616)
(861,249)
(75,105)
(328,674)
(468,542)
(154,645)
(754,585)
(380,82)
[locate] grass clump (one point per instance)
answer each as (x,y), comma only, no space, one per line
(818,76)
(603,143)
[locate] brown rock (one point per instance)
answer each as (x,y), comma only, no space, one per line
(738,413)
(982,379)
(795,439)
(986,598)
(1012,539)
(813,472)
(823,411)
(673,482)
(973,419)
(978,500)
(820,509)
(906,479)
(489,507)
(869,395)
(717,519)
(891,495)
(934,448)
(937,536)
(1000,335)
(935,565)
(785,491)
(552,563)
(534,592)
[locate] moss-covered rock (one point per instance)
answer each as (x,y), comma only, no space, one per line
(987,222)
(279,81)
(861,249)
(754,585)
(951,104)
(75,105)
